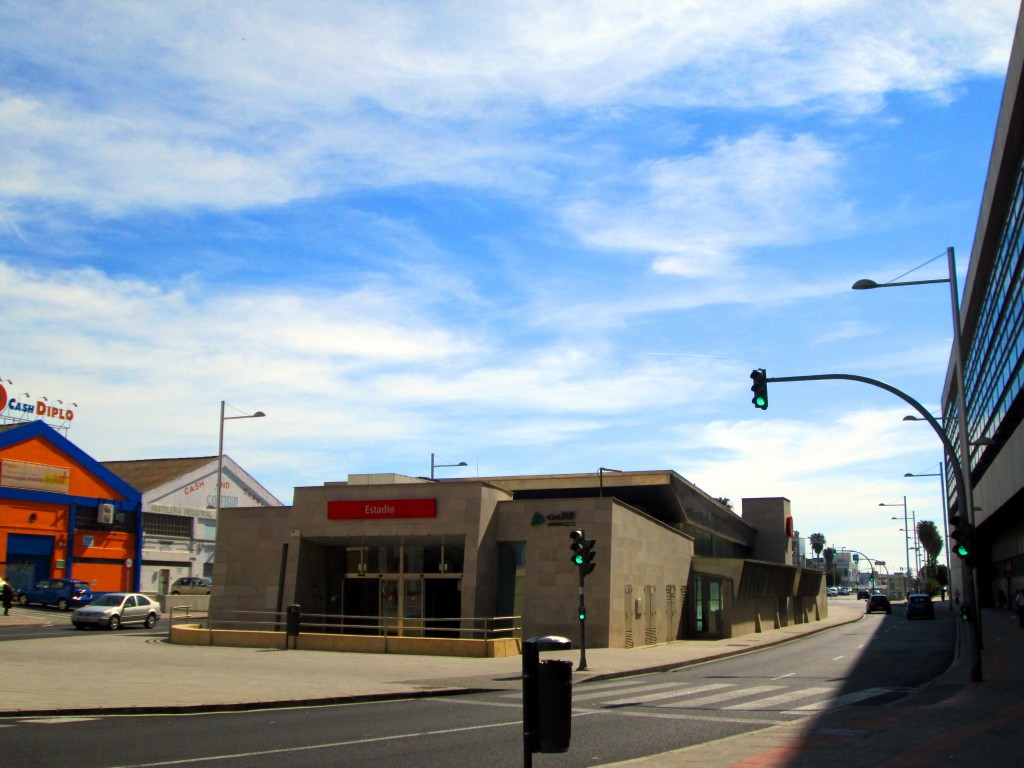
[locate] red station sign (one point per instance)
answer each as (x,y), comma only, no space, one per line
(391,509)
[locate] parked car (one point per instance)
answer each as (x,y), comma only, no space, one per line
(115,609)
(920,606)
(63,593)
(191,585)
(878,603)
(863,594)
(833,592)
(844,590)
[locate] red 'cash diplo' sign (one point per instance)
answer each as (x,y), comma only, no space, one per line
(392,509)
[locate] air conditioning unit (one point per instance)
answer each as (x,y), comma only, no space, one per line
(106,514)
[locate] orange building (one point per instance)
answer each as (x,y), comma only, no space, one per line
(63,514)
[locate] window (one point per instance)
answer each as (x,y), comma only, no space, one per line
(154,524)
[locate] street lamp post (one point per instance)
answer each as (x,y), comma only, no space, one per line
(965,485)
(905,544)
(600,478)
(434,466)
(941,474)
(220,446)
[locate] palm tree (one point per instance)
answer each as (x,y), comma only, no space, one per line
(931,541)
(817,543)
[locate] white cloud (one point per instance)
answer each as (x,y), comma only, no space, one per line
(699,213)
(208,105)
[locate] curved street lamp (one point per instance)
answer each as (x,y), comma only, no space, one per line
(965,488)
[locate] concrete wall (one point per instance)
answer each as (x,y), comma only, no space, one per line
(768,516)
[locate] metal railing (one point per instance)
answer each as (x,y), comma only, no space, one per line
(480,628)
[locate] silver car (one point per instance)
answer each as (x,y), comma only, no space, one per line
(191,585)
(117,608)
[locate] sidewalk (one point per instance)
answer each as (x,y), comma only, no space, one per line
(145,674)
(948,722)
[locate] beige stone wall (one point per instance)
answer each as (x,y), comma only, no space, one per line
(249,550)
(632,549)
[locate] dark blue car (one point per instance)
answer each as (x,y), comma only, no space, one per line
(63,593)
(920,606)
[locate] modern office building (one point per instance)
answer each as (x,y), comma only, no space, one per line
(427,556)
(992,329)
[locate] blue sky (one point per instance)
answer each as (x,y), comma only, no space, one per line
(535,237)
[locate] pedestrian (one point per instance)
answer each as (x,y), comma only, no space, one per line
(956,597)
(1020,606)
(8,598)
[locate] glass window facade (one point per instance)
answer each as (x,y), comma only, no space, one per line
(994,368)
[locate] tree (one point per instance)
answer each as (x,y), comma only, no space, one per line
(830,566)
(817,543)
(724,502)
(931,540)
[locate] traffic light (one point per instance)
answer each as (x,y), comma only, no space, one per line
(962,536)
(872,577)
(582,552)
(759,388)
(583,613)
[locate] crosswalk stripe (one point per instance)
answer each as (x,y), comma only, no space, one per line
(637,689)
(736,694)
(782,698)
(842,701)
(667,695)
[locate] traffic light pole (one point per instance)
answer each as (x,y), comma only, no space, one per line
(583,628)
(974,639)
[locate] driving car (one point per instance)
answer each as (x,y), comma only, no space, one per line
(191,585)
(920,606)
(63,593)
(878,603)
(863,594)
(114,609)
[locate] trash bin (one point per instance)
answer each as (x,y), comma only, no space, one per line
(554,706)
(547,697)
(293,619)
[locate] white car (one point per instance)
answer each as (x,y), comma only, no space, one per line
(115,609)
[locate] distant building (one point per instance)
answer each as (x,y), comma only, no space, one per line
(179,512)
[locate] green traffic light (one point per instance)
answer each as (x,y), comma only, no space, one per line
(583,616)
(760,402)
(962,550)
(578,559)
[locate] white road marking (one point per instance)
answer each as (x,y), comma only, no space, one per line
(784,698)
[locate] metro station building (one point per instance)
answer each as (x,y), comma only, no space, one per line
(432,555)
